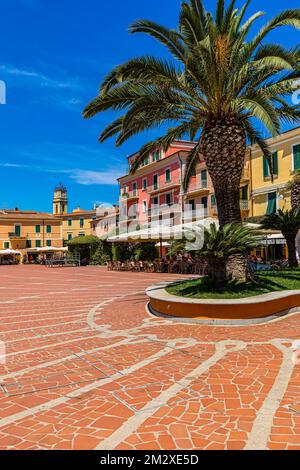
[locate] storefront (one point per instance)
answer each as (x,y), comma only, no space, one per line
(10,257)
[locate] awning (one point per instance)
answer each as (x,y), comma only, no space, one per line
(161,232)
(9,252)
(51,248)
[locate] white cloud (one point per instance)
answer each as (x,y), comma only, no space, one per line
(37,77)
(86,177)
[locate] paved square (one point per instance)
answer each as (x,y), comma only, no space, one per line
(88,368)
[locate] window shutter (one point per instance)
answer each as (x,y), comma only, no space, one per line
(275,163)
(296,154)
(266,168)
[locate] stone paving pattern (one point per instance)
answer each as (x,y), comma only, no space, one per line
(88,368)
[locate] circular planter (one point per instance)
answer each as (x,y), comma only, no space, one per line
(246,310)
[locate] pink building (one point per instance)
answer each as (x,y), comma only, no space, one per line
(156,188)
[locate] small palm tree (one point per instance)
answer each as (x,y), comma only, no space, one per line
(288,222)
(294,187)
(221,78)
(231,240)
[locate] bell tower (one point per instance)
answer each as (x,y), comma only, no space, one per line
(60,200)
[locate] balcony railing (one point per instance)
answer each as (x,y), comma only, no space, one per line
(244,205)
(196,186)
(162,185)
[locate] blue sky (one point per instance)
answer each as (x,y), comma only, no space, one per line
(54,54)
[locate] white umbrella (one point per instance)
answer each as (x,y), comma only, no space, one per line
(9,252)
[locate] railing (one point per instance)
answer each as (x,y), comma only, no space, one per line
(162,184)
(244,205)
(196,186)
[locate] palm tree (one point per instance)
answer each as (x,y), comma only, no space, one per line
(294,187)
(218,246)
(288,222)
(221,83)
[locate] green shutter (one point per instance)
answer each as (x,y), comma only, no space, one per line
(48,242)
(37,229)
(38,243)
(296,155)
(275,163)
(204,179)
(266,168)
(271,209)
(213,200)
(6,245)
(28,243)
(49,229)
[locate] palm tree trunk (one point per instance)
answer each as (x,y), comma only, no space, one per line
(224,148)
(216,271)
(291,244)
(295,196)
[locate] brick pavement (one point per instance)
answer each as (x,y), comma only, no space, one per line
(88,368)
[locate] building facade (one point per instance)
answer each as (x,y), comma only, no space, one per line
(78,223)
(25,230)
(157,186)
(268,196)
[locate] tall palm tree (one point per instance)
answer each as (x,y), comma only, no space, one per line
(294,187)
(220,82)
(288,222)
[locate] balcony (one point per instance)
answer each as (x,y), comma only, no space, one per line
(244,205)
(164,185)
(15,235)
(130,196)
(198,188)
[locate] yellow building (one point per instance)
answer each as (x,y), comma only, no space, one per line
(75,224)
(78,223)
(26,230)
(268,196)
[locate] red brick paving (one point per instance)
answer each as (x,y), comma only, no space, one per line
(88,368)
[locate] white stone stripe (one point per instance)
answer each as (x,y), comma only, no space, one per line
(77,393)
(133,423)
(260,434)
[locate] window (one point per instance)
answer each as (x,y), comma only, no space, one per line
(38,243)
(168,199)
(144,184)
(155,156)
(48,242)
(244,193)
(70,223)
(18,230)
(37,229)
(272,203)
(192,204)
(168,176)
(204,179)
(155,182)
(145,161)
(213,200)
(296,157)
(204,202)
(267,172)
(28,243)
(6,245)
(144,207)
(81,234)
(81,223)
(134,210)
(134,189)
(69,236)
(49,229)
